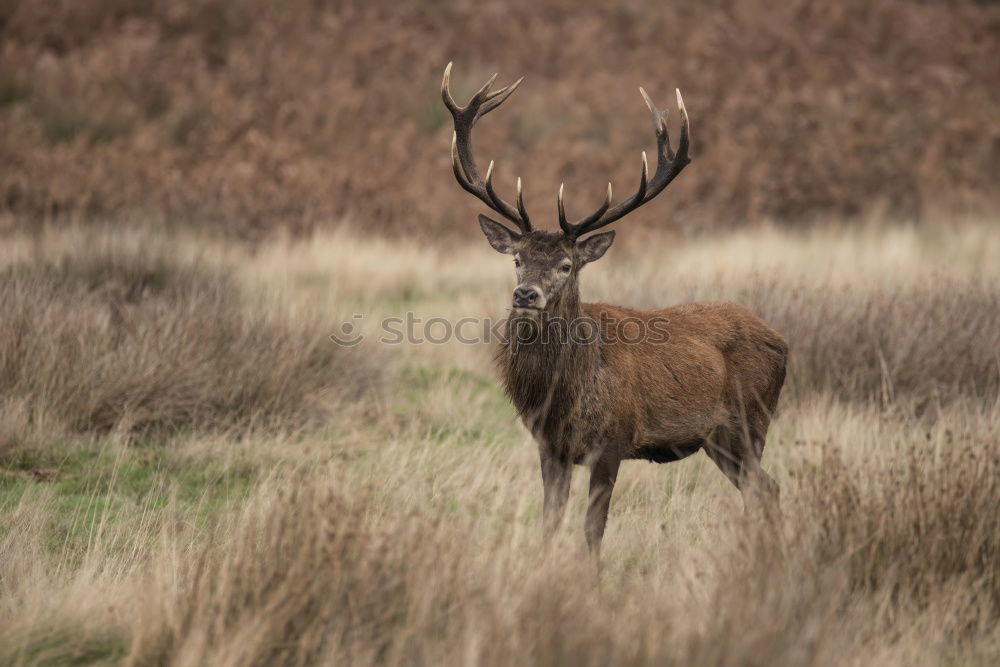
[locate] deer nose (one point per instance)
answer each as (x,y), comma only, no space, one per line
(525,297)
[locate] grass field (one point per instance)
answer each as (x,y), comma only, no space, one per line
(192,473)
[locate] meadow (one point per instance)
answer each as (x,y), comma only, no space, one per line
(192,472)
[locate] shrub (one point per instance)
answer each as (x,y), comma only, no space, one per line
(258,114)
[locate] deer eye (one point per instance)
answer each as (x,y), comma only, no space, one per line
(566,268)
(517,262)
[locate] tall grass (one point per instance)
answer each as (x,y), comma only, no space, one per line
(407,533)
(864,550)
(122,336)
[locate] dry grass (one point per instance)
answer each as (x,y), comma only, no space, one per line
(870,564)
(407,532)
(254,114)
(124,337)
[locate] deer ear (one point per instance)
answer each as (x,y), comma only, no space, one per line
(593,248)
(502,239)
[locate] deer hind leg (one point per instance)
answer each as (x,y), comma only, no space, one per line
(761,494)
(764,492)
(738,457)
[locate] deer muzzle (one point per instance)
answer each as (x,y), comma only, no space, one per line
(528,297)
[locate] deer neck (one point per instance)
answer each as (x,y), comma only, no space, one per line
(546,364)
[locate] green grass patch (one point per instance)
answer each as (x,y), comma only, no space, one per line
(489,419)
(65,647)
(93,488)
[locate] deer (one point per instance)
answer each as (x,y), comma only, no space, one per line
(709,379)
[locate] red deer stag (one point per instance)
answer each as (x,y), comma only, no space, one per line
(711,383)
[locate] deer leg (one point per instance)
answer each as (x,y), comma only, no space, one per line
(741,466)
(761,494)
(719,447)
(556,476)
(603,474)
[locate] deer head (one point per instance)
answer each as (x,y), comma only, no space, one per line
(547,263)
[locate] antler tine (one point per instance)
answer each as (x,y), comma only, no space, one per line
(511,88)
(659,125)
(668,165)
(449,101)
(463,161)
(684,144)
(654,112)
(563,223)
(570,228)
(520,201)
(499,203)
(496,98)
(484,93)
(644,179)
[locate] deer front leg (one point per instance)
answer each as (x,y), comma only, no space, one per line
(556,475)
(602,483)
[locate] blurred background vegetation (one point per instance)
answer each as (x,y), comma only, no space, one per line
(252,115)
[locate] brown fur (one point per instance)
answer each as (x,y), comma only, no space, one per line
(712,385)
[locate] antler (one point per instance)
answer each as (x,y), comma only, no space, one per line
(462,159)
(668,165)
